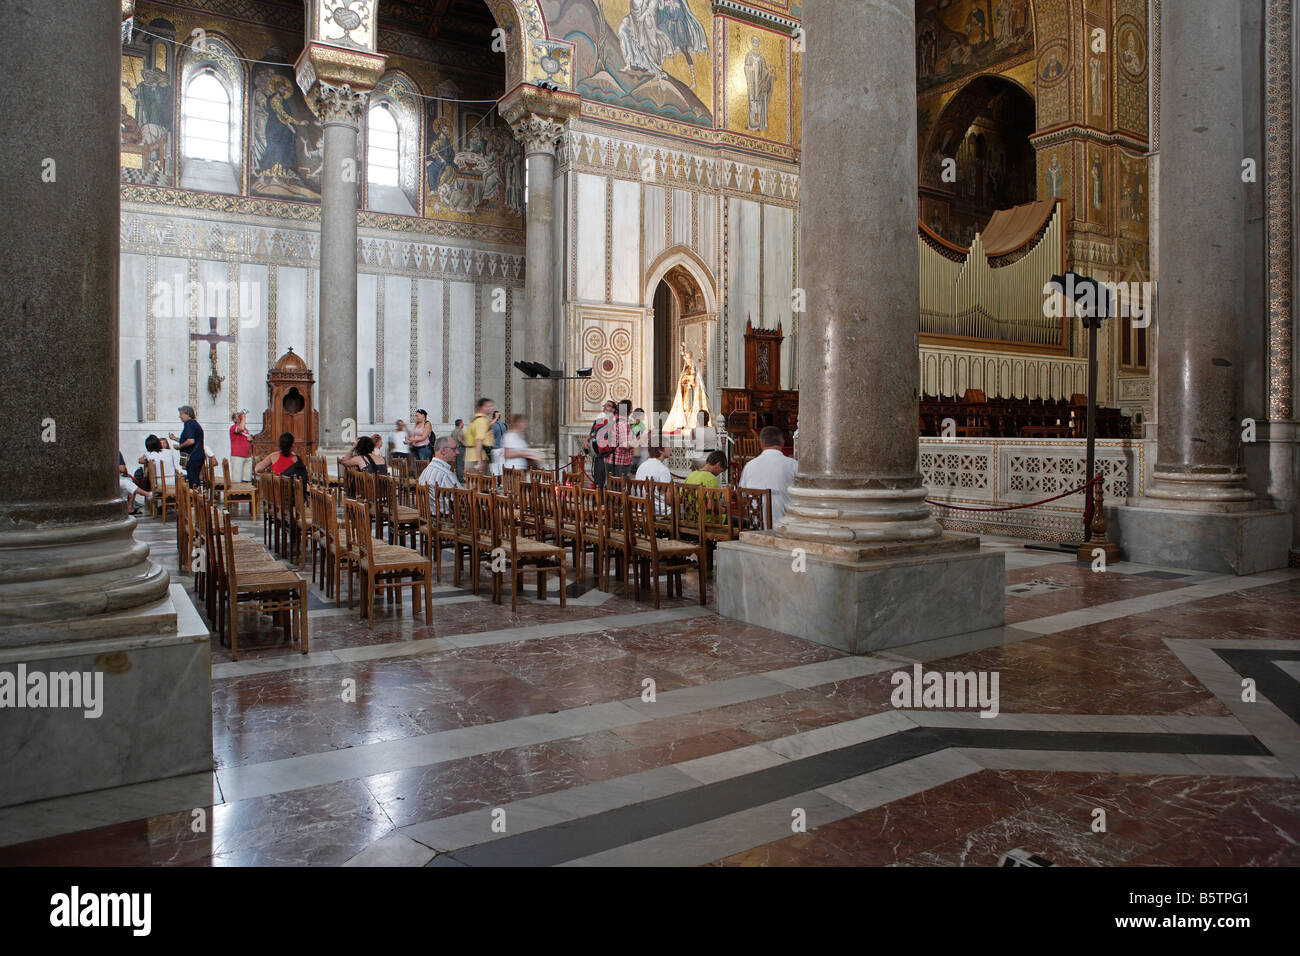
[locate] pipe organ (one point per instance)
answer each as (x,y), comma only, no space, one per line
(993,291)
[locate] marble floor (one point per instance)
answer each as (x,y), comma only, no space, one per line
(1145,717)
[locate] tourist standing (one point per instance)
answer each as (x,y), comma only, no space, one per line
(640,433)
(241,448)
(600,444)
(515,453)
(458,436)
(498,451)
(399,441)
(623,451)
(771,470)
(479,439)
(422,437)
(191,445)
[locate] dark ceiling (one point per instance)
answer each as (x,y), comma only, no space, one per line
(466,22)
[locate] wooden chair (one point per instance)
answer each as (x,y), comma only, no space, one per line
(235,492)
(718,518)
(513,482)
(568,516)
(657,555)
(210,479)
(753,509)
(300,521)
(520,554)
(463,537)
(159,494)
(273,591)
(402,522)
(437,522)
(483,541)
(591,517)
(387,567)
(321,545)
(481,484)
(184,520)
(614,540)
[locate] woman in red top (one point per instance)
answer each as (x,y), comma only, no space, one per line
(284,461)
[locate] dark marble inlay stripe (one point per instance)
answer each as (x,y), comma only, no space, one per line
(574,839)
(1270,680)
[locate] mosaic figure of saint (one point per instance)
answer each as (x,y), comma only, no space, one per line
(759,81)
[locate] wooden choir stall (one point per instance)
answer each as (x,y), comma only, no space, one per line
(762,402)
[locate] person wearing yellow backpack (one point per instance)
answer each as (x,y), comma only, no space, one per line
(479,440)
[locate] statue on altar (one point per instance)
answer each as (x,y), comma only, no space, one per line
(691,397)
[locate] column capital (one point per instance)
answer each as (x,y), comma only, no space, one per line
(337,82)
(539,134)
(337,104)
(538,116)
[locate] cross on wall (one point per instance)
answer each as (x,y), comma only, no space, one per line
(213,339)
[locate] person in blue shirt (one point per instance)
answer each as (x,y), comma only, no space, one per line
(191,443)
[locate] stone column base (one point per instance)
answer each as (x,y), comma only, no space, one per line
(1226,540)
(155,708)
(862,600)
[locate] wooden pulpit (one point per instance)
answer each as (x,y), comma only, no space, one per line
(289,408)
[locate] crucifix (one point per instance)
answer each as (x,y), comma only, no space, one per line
(212,338)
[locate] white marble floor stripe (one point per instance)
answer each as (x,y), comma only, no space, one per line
(1214,587)
(1261,717)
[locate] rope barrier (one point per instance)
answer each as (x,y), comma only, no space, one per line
(1033,504)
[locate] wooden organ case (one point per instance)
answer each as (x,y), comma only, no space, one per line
(289,408)
(762,402)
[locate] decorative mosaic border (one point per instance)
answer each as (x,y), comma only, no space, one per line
(1279,143)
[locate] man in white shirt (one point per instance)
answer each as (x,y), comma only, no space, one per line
(771,470)
(439,471)
(654,468)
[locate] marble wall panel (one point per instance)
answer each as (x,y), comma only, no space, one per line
(625,240)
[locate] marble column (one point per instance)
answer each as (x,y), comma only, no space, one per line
(859,562)
(81,604)
(859,363)
(340,108)
(1202,276)
(539,134)
(1198,511)
(66,546)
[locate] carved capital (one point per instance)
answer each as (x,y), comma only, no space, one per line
(128,9)
(338,104)
(539,134)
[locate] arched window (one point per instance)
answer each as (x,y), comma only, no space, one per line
(205,112)
(211,135)
(383,157)
(393,147)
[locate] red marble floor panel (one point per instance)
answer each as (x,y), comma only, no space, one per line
(1083,588)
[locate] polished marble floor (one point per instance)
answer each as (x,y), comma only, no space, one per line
(612,733)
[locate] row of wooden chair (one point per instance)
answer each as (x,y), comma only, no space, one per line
(234,572)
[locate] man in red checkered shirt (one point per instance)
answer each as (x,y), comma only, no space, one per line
(621,460)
